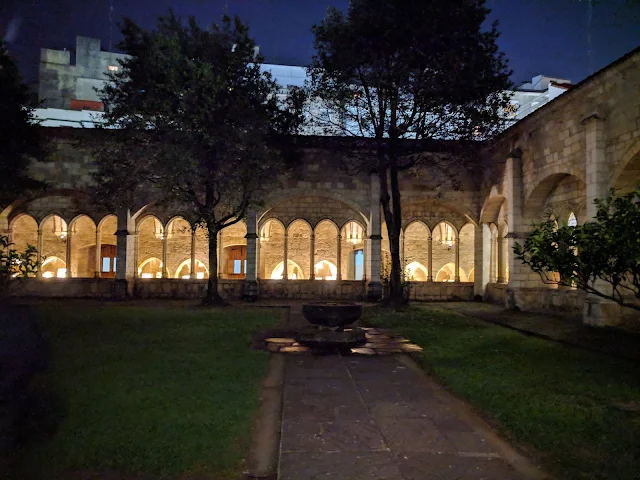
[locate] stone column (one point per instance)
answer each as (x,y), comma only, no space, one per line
(98,266)
(285,269)
(312,257)
(68,252)
(457,264)
(597,311)
(220,252)
(430,258)
(126,255)
(339,259)
(250,285)
(493,259)
(39,253)
(165,240)
(193,273)
(374,287)
(501,249)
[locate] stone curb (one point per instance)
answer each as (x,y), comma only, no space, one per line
(265,445)
(519,462)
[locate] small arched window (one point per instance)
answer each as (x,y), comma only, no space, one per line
(572,221)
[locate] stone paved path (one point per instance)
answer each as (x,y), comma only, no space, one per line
(352,418)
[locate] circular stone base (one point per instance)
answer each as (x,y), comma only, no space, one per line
(314,337)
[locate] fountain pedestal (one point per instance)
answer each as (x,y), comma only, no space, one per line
(328,321)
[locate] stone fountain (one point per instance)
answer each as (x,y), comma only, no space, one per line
(330,325)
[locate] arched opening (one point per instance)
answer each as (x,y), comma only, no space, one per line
(178,240)
(447,274)
(108,246)
(293,271)
(471,276)
(271,250)
(416,251)
(467,249)
(416,272)
(150,239)
(233,263)
(83,248)
(572,221)
(150,268)
(352,251)
(54,242)
(326,250)
(24,232)
(53,267)
(299,247)
(183,270)
(325,270)
(443,248)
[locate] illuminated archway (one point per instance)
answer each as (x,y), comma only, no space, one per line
(325,270)
(150,268)
(293,271)
(416,272)
(184,270)
(53,267)
(447,274)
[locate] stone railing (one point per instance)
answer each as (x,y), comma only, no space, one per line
(441,291)
(313,289)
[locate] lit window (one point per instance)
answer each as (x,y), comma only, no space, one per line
(106,264)
(572,221)
(113,68)
(237,267)
(114,263)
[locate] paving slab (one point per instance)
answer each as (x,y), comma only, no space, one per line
(357,417)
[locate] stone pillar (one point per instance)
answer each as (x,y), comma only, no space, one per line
(98,266)
(39,252)
(312,257)
(250,285)
(285,269)
(493,259)
(457,264)
(430,258)
(193,273)
(374,287)
(165,241)
(220,252)
(339,259)
(126,255)
(597,311)
(501,252)
(68,253)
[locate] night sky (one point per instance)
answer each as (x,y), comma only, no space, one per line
(538,36)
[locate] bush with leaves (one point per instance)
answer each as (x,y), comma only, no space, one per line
(601,257)
(15,264)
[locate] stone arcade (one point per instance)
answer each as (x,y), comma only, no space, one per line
(322,236)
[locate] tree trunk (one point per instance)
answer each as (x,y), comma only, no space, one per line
(393,219)
(212,297)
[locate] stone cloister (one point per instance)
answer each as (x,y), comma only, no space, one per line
(322,234)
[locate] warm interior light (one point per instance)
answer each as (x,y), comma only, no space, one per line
(200,275)
(113,68)
(61,273)
(146,275)
(186,277)
(47,275)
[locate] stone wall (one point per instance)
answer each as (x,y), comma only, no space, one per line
(64,288)
(542,299)
(441,291)
(311,289)
(496,293)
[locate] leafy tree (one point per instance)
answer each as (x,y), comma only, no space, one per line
(15,264)
(20,137)
(600,257)
(197,123)
(403,73)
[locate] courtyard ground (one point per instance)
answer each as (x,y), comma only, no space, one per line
(576,411)
(146,391)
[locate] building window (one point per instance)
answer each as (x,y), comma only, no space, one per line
(113,68)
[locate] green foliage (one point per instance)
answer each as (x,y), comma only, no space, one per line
(150,392)
(577,409)
(15,264)
(406,75)
(601,257)
(20,137)
(197,122)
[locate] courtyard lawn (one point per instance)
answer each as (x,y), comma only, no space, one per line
(151,390)
(579,411)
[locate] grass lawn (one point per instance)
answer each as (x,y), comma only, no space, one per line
(580,411)
(151,390)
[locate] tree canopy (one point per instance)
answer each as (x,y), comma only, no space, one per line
(20,138)
(601,257)
(405,73)
(196,120)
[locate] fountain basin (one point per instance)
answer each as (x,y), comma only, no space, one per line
(331,314)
